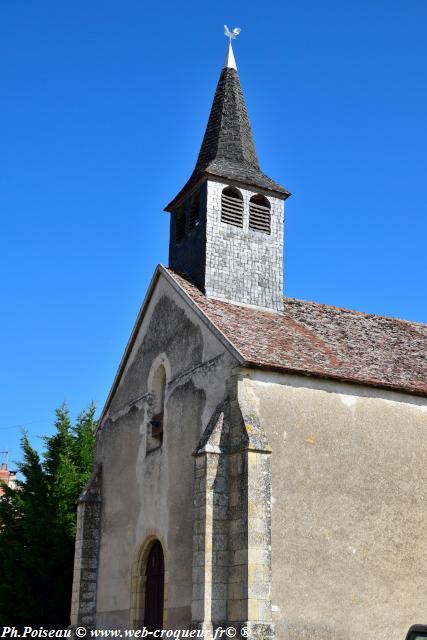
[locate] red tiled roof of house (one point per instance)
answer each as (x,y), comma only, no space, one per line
(319,340)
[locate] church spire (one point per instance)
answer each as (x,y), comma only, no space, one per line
(228,148)
(226,229)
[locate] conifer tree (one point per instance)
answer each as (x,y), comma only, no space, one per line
(38,521)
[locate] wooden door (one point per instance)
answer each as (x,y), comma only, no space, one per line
(154,588)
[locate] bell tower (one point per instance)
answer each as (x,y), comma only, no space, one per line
(226,232)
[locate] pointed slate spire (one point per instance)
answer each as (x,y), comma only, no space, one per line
(228,148)
(228,136)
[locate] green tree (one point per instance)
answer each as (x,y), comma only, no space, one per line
(38,522)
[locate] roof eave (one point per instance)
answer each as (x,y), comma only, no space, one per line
(130,344)
(191,185)
(281,192)
(195,183)
(373,384)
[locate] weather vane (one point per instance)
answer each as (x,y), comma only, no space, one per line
(231,34)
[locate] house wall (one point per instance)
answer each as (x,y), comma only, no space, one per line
(146,496)
(349,510)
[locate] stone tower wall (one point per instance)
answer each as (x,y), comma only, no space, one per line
(188,256)
(243,265)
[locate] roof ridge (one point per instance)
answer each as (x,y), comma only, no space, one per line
(355,311)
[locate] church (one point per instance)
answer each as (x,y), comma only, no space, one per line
(261,461)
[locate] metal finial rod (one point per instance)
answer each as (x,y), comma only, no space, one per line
(230,62)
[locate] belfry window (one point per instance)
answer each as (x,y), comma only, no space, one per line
(194,211)
(180,224)
(158,390)
(232,207)
(259,214)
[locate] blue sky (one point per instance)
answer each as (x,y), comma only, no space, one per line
(102,113)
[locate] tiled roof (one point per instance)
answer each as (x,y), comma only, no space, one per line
(319,340)
(228,149)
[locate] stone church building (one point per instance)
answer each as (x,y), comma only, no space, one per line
(261,461)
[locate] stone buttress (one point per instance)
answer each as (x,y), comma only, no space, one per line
(83,605)
(232,524)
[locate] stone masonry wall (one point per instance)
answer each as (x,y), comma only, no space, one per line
(83,604)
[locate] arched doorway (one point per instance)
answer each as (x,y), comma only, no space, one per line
(154,588)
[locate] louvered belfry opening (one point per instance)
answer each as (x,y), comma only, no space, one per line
(259,214)
(232,207)
(180,224)
(194,211)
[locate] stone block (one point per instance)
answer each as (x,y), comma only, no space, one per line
(259,556)
(88,575)
(252,609)
(219,610)
(220,542)
(264,610)
(257,540)
(197,609)
(198,558)
(236,610)
(237,573)
(86,607)
(237,590)
(241,557)
(219,573)
(219,591)
(259,589)
(200,591)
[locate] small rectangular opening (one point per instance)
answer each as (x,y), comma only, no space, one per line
(194,212)
(157,426)
(180,224)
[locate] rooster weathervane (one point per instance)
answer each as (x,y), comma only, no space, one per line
(232,35)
